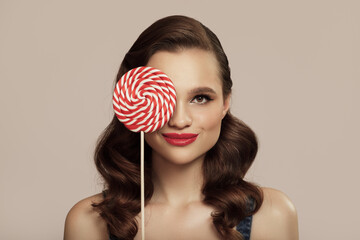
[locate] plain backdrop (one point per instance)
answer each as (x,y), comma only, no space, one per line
(296,72)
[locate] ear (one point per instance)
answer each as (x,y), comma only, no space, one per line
(227,102)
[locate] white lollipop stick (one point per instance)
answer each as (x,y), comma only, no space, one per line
(142,186)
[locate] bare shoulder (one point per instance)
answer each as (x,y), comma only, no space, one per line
(276,218)
(83,222)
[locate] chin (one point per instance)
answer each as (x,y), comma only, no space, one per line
(182,158)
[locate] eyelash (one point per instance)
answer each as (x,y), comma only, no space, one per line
(204,96)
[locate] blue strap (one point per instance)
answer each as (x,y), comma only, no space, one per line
(244,227)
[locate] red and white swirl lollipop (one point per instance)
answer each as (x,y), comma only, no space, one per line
(144,99)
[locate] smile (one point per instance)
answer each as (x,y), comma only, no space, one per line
(180,139)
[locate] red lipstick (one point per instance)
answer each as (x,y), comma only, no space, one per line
(180,139)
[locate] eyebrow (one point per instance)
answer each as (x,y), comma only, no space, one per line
(202,90)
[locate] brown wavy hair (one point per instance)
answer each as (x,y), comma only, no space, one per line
(117,152)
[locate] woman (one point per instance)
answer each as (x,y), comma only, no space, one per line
(194,188)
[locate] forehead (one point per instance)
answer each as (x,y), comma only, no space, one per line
(189,68)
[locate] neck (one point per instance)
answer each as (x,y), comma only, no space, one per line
(176,184)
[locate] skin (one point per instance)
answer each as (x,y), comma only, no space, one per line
(176,210)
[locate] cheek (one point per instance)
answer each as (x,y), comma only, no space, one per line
(151,138)
(211,128)
(208,119)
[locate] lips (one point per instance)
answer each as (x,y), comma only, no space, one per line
(180,139)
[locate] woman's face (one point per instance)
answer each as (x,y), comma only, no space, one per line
(200,106)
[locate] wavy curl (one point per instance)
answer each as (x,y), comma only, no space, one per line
(117,152)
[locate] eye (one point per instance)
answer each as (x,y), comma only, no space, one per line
(201,99)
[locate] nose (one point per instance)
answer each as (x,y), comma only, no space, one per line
(180,118)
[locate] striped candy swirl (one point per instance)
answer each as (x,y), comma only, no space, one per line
(144,99)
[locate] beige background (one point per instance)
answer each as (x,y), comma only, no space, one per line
(295,66)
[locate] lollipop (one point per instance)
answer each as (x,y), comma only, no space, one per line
(144,101)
